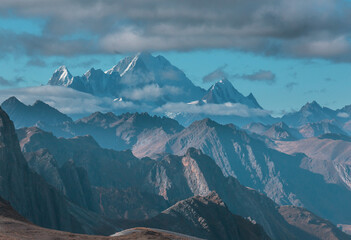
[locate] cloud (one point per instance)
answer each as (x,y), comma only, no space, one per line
(316,91)
(291,85)
(36,62)
(329,79)
(259,76)
(300,28)
(46,45)
(4,82)
(329,47)
(72,102)
(85,64)
(7,83)
(150,92)
(226,109)
(343,115)
(66,100)
(216,75)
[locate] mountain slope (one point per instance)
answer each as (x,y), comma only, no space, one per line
(255,165)
(113,177)
(31,196)
(277,131)
(202,176)
(329,155)
(124,131)
(206,217)
(319,228)
(15,227)
(172,178)
(319,128)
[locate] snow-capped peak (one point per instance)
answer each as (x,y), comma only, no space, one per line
(131,64)
(128,63)
(61,77)
(223,92)
(62,68)
(223,83)
(139,60)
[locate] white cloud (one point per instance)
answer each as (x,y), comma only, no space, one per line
(72,102)
(225,109)
(66,100)
(150,92)
(259,76)
(216,75)
(343,115)
(325,48)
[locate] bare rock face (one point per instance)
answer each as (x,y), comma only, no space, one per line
(206,217)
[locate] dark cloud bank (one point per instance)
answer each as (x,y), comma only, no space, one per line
(299,28)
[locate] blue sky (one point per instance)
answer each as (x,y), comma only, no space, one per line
(308,52)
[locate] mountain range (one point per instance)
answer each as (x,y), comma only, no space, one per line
(117,182)
(139,72)
(201,164)
(145,80)
(239,154)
